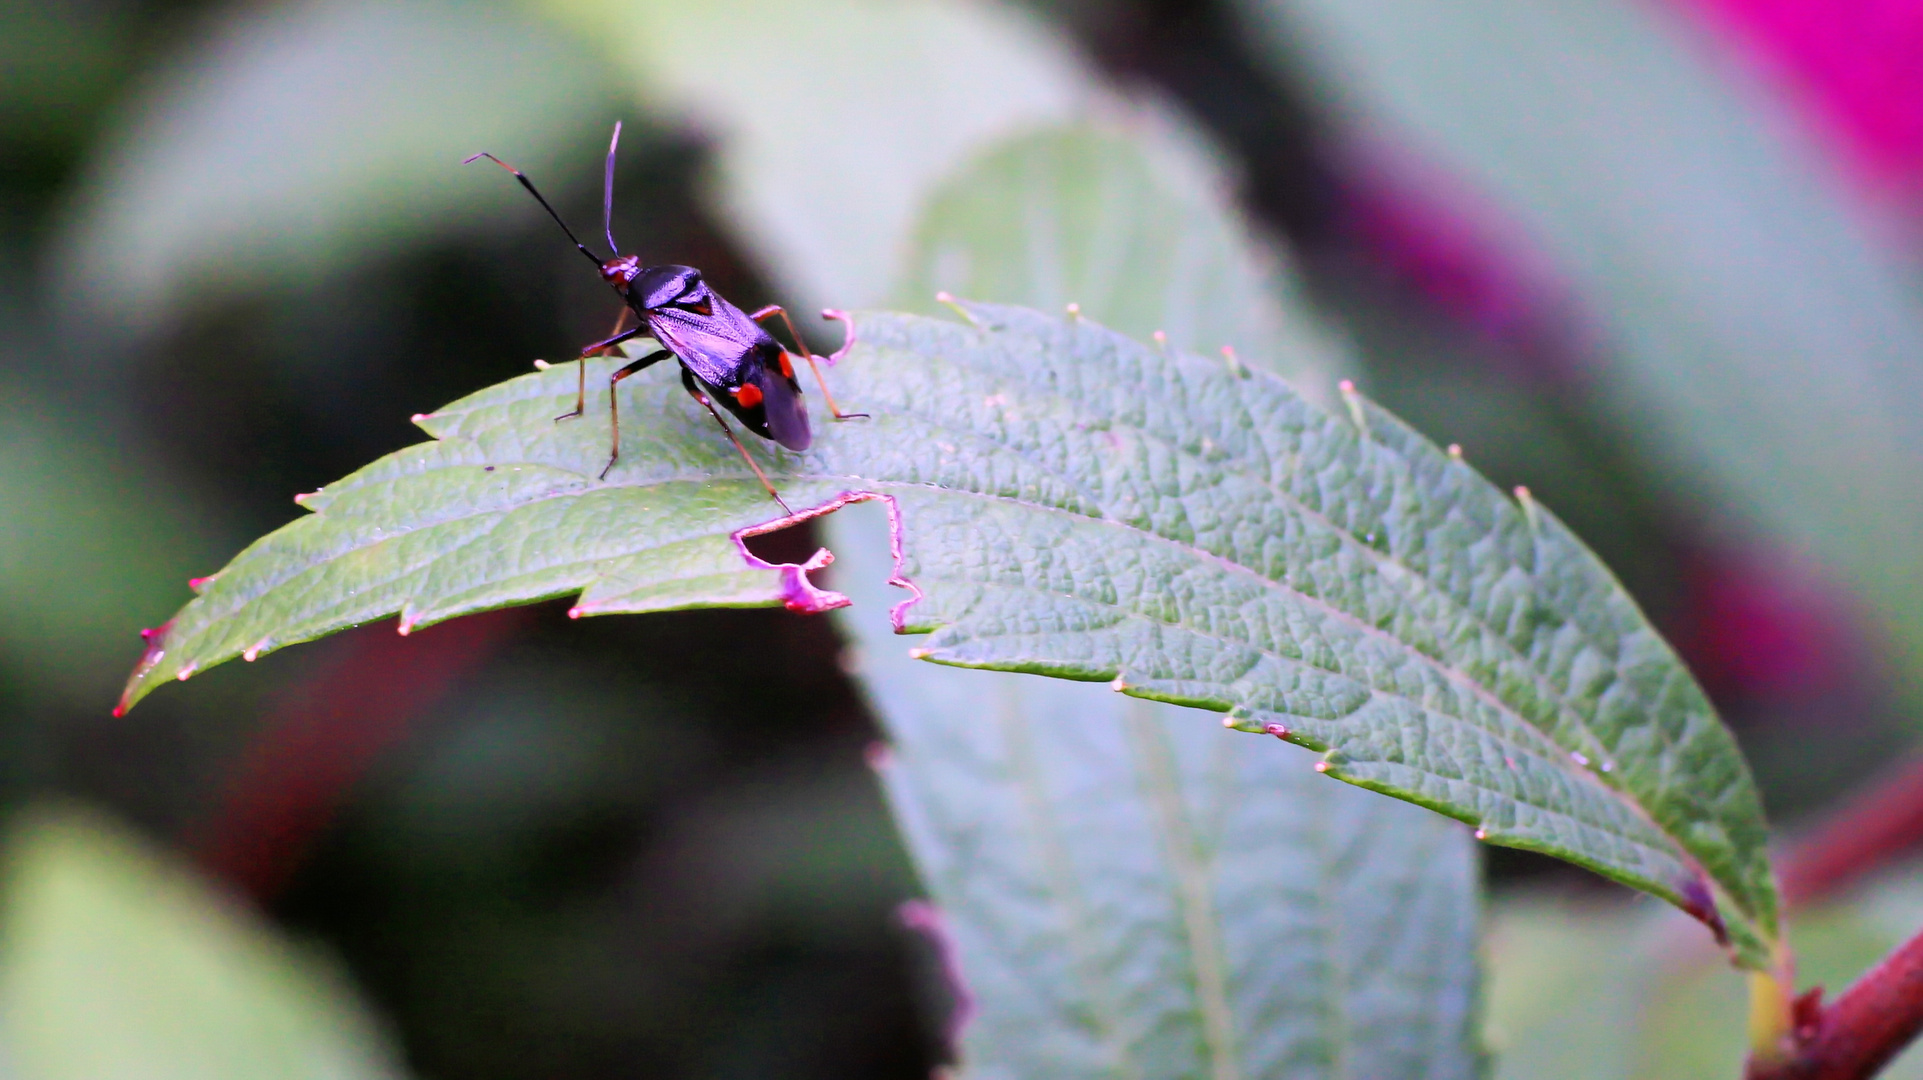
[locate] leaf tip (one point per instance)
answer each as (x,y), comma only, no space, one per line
(1074,311)
(1347,386)
(920,654)
(1119,684)
(878,755)
(1523,496)
(1321,766)
(1161,340)
(187,672)
(576,612)
(1455,451)
(250,652)
(1236,367)
(199,584)
(155,638)
(301,499)
(542,365)
(1482,833)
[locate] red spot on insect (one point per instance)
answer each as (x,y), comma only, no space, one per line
(749,395)
(787,367)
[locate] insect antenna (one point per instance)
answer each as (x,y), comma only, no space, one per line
(529,185)
(607,194)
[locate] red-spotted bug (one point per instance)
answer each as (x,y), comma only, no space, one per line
(724,353)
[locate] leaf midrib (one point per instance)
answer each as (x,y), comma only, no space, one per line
(1228,565)
(1544,746)
(1224,467)
(1452,674)
(1376,557)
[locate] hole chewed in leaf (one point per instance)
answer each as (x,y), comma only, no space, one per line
(791,544)
(798,592)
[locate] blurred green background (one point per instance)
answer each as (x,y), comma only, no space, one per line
(1655,260)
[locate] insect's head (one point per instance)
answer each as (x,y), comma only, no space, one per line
(619,271)
(670,286)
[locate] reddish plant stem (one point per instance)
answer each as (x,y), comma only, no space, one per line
(1866,833)
(324,735)
(1858,1033)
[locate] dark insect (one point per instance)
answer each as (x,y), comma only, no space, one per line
(725,355)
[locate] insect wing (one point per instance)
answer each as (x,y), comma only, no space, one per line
(713,346)
(787,412)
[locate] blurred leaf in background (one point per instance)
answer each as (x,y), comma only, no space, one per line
(1590,988)
(115,961)
(299,138)
(1130,889)
(1132,223)
(1756,341)
(835,118)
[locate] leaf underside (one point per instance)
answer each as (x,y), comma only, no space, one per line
(1082,505)
(1131,890)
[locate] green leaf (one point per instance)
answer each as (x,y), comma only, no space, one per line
(1131,890)
(118,963)
(1132,228)
(1082,505)
(1758,337)
(1033,805)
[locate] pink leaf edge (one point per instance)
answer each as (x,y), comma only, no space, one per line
(798,593)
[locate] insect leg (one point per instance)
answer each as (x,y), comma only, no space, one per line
(620,322)
(687,380)
(808,355)
(614,410)
(581,366)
